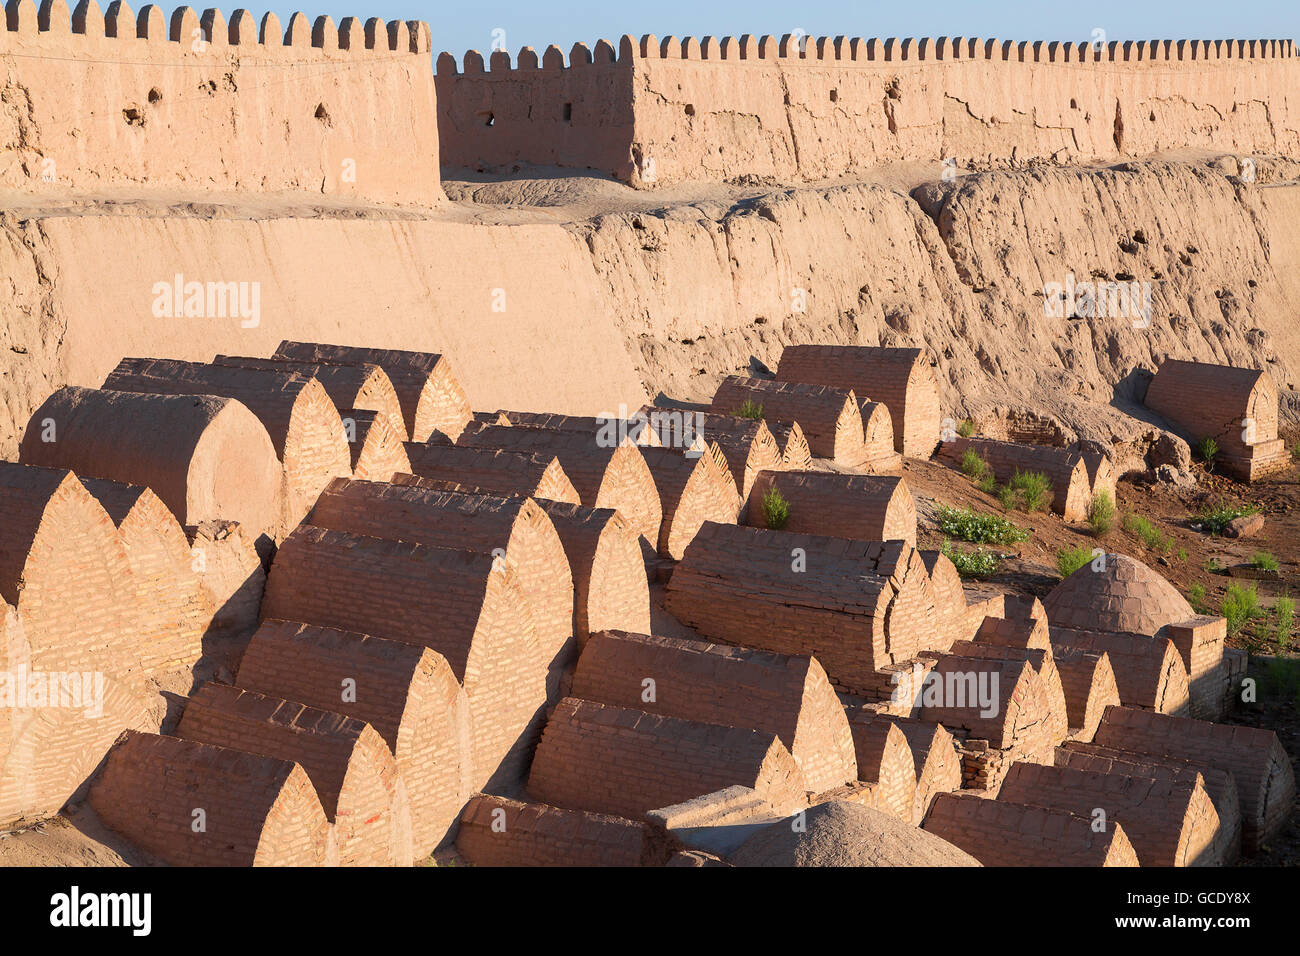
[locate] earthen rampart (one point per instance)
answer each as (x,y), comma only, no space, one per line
(653,112)
(153,100)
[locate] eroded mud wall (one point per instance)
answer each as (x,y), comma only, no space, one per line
(211,106)
(657,112)
(516,307)
(583,317)
(960,268)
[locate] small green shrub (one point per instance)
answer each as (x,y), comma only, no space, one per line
(979,563)
(987,483)
(776,510)
(1215,519)
(1151,536)
(966,428)
(750,409)
(1034,488)
(1101,514)
(1008,497)
(1069,560)
(1182,554)
(1264,561)
(1283,621)
(1240,606)
(972,465)
(967,525)
(1212,565)
(1196,597)
(1207,449)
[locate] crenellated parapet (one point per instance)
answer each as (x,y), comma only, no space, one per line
(208,31)
(814,50)
(139,99)
(653,110)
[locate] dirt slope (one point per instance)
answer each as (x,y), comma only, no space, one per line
(960,268)
(602,308)
(846,834)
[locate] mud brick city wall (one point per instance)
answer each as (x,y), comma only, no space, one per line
(112,100)
(655,112)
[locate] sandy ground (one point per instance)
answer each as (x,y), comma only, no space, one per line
(1193,559)
(523,194)
(75,837)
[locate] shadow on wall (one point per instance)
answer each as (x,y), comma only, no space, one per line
(1132,388)
(86,822)
(524,171)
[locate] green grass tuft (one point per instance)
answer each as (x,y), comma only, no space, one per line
(972,465)
(1008,498)
(750,409)
(1034,488)
(1240,606)
(1101,514)
(1069,560)
(776,510)
(1264,561)
(1151,536)
(1283,621)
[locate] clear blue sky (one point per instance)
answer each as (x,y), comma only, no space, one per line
(459,26)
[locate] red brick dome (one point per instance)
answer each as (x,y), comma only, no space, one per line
(1125,595)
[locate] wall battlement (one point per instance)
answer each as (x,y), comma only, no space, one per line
(53,20)
(858,50)
(97,100)
(653,111)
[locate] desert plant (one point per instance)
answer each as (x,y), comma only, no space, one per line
(1151,536)
(1283,621)
(1207,449)
(1182,554)
(966,428)
(979,563)
(968,525)
(1264,561)
(776,510)
(1034,488)
(750,409)
(1101,514)
(1215,518)
(987,483)
(1069,560)
(1196,597)
(1008,497)
(972,465)
(1240,606)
